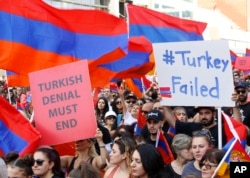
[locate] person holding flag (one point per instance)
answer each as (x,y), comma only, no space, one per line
(244,106)
(210,161)
(157,137)
(155,123)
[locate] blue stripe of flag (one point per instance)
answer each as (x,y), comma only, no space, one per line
(48,37)
(162,34)
(165,92)
(9,141)
(132,59)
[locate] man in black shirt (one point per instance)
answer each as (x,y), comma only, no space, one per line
(244,106)
(207,121)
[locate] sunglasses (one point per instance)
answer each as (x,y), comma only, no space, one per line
(207,166)
(39,162)
(241,91)
(144,112)
(118,102)
(130,101)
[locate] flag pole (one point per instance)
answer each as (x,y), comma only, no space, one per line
(219,128)
(143,86)
(8,88)
(222,162)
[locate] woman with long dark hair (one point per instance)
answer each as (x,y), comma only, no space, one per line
(101,107)
(47,163)
(147,162)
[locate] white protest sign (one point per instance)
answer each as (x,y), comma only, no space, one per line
(194,73)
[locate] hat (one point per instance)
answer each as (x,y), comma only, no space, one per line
(240,85)
(110,113)
(155,115)
(131,95)
(197,109)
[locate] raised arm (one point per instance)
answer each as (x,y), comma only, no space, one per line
(65,161)
(100,161)
(169,116)
(236,110)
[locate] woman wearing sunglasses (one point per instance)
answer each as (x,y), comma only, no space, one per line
(201,142)
(110,120)
(47,163)
(210,161)
(117,107)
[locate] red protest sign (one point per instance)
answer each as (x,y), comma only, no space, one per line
(242,63)
(63,104)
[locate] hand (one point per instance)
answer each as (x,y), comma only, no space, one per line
(98,135)
(235,97)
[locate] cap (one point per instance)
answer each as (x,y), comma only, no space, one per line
(110,113)
(155,115)
(197,109)
(240,85)
(131,95)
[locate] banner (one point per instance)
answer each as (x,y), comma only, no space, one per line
(63,104)
(195,73)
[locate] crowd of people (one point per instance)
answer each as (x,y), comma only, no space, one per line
(18,97)
(118,150)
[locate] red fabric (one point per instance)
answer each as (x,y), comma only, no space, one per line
(144,16)
(239,127)
(146,82)
(141,121)
(18,80)
(65,149)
